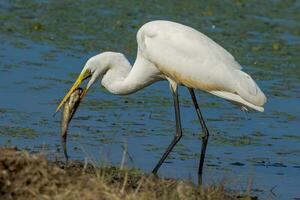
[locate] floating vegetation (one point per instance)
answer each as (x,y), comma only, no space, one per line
(41,87)
(286,152)
(242,140)
(258,160)
(5,110)
(295,137)
(27,133)
(37,26)
(277,46)
(54,79)
(154,148)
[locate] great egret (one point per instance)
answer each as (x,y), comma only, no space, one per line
(183,56)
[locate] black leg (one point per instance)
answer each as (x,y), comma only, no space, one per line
(177,136)
(205,136)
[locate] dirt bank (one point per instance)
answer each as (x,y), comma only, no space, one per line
(25,176)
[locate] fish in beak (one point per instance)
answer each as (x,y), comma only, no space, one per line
(83,75)
(70,108)
(71,102)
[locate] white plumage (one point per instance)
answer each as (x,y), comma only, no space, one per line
(183,56)
(190,58)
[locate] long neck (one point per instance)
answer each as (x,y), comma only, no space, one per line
(121,78)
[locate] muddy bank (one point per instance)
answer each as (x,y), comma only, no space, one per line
(25,176)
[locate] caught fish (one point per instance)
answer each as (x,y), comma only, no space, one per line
(70,108)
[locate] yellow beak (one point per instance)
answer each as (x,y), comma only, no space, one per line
(86,74)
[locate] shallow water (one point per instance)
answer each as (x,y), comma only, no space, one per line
(44,46)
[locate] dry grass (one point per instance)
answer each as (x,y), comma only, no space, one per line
(25,176)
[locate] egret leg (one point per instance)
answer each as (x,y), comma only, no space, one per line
(177,136)
(204,137)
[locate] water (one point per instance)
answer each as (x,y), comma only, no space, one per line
(45,44)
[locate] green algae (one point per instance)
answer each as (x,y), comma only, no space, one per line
(53,79)
(241,140)
(5,110)
(292,137)
(41,87)
(94,26)
(24,132)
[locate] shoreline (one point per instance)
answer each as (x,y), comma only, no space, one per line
(31,176)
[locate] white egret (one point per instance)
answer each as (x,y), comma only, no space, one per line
(183,56)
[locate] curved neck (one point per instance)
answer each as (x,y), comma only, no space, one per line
(121,78)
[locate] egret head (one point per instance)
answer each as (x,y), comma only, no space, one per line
(93,69)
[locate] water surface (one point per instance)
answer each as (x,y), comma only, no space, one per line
(45,44)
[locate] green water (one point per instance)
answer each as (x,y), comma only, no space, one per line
(44,45)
